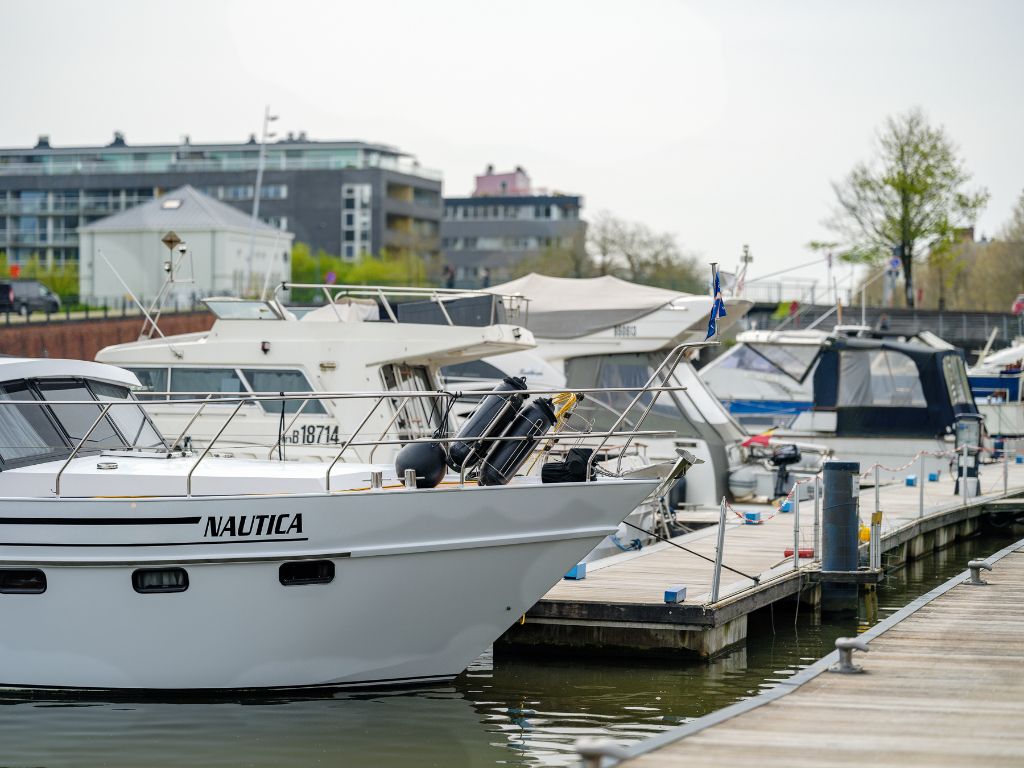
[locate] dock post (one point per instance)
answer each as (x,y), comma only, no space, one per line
(796,527)
(963,474)
(1006,470)
(921,476)
(716,577)
(877,502)
(817,518)
(841,526)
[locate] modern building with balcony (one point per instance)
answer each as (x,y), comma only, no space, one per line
(504,222)
(346,197)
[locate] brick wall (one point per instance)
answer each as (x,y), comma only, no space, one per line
(82,339)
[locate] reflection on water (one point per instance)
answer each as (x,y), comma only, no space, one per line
(520,712)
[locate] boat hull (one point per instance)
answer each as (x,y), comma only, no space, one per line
(420,589)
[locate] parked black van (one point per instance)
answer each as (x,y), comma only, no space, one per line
(26,297)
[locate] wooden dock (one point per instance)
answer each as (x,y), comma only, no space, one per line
(942,686)
(620,606)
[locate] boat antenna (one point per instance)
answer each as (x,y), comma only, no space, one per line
(155,327)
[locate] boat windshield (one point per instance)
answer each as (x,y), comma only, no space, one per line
(957,385)
(235,309)
(793,360)
(30,432)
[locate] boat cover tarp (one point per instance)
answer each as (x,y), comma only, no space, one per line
(889,388)
(566,307)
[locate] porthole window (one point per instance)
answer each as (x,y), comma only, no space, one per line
(147,581)
(22,581)
(306,572)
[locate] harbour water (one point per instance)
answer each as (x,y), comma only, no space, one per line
(518,712)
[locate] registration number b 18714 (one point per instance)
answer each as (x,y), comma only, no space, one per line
(313,434)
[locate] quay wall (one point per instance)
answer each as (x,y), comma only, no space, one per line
(82,339)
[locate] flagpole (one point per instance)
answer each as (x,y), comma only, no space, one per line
(714,296)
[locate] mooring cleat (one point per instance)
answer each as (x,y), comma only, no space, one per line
(846,646)
(976,566)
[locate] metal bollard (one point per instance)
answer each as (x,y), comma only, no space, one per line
(716,577)
(594,750)
(410,479)
(846,646)
(840,527)
(376,480)
(976,566)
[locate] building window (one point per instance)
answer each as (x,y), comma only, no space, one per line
(274,192)
(239,192)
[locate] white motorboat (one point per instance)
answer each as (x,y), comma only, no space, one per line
(606,332)
(258,346)
(127,564)
(998,385)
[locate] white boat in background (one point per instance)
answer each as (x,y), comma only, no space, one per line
(998,385)
(345,345)
(606,332)
(127,564)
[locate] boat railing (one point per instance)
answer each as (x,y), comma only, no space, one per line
(516,306)
(564,431)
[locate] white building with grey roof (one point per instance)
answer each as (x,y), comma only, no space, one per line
(227,252)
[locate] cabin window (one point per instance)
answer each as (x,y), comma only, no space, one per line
(148,581)
(26,431)
(77,418)
(267,381)
(131,420)
(956,380)
(22,581)
(198,382)
(419,416)
(152,379)
(879,378)
(304,572)
(473,369)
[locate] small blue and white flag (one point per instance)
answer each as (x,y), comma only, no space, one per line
(718,307)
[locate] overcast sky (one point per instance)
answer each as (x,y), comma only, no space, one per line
(721,122)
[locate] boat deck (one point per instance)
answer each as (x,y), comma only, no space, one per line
(942,687)
(626,593)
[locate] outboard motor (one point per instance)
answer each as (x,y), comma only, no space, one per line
(782,457)
(488,421)
(507,456)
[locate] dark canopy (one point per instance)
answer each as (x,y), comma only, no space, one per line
(889,388)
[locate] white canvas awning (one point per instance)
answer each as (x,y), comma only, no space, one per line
(565,307)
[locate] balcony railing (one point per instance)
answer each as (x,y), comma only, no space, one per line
(130,165)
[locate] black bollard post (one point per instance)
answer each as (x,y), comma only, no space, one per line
(840,532)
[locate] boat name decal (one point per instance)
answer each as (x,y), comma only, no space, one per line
(625,330)
(252,525)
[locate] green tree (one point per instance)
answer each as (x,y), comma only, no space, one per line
(909,197)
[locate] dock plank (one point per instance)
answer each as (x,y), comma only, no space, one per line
(942,687)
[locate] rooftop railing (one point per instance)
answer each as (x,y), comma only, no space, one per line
(130,165)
